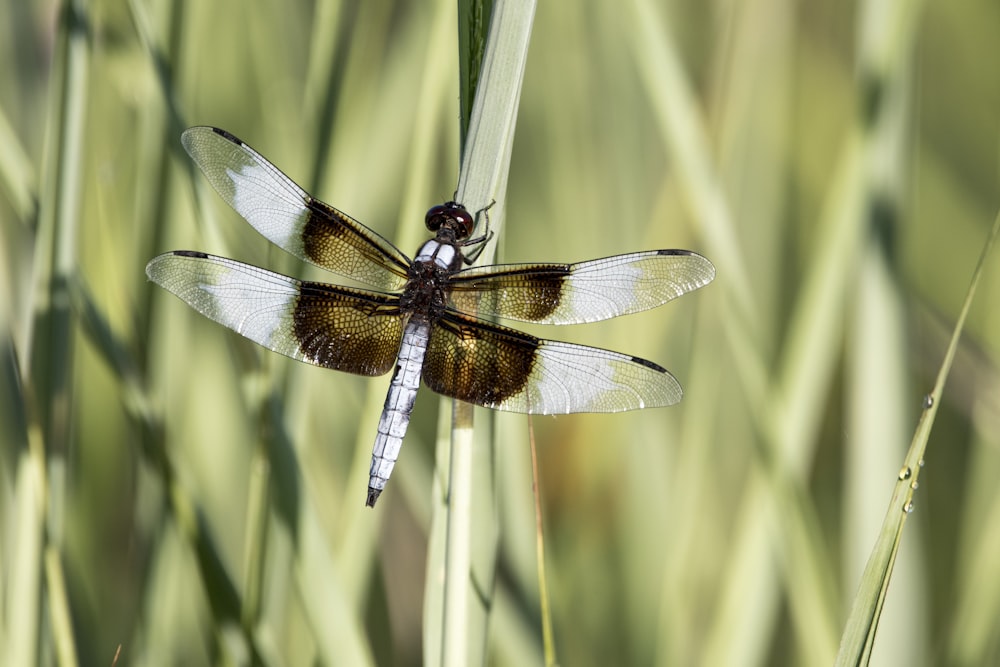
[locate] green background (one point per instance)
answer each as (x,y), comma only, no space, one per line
(837,161)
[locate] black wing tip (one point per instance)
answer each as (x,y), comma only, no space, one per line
(680,252)
(373,495)
(676,251)
(650,365)
(653,366)
(227,135)
(197,254)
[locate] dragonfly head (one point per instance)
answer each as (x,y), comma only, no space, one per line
(450,216)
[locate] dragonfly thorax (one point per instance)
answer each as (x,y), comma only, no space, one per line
(427,276)
(444,255)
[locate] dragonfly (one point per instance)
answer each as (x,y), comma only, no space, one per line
(426,318)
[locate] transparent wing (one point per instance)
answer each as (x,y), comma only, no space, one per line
(349,330)
(584,292)
(505,369)
(288,216)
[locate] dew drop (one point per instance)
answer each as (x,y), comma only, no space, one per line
(914,485)
(928,401)
(905,473)
(920,463)
(908,508)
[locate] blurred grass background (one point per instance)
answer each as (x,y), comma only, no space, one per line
(170,489)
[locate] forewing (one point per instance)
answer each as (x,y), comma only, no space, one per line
(583,292)
(505,369)
(288,216)
(327,325)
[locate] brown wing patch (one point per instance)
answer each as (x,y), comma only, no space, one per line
(336,241)
(478,362)
(529,293)
(347,330)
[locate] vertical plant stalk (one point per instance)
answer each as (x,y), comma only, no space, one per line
(785,405)
(455,606)
(51,354)
(876,411)
(548,638)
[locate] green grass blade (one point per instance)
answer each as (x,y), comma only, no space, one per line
(23,562)
(473,23)
(52,347)
(858,639)
(16,173)
(548,636)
